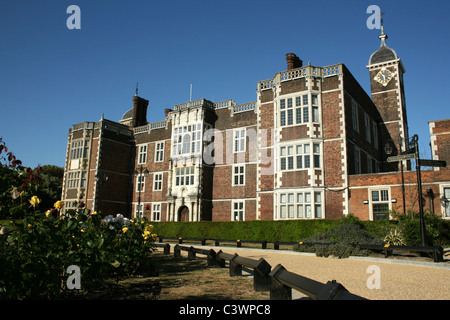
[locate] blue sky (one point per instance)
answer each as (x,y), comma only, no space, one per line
(52,77)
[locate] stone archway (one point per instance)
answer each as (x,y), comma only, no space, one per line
(183,214)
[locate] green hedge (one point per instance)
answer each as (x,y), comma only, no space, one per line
(292,230)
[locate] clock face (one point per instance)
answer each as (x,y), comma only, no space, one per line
(384,76)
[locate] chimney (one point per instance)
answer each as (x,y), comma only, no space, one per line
(293,61)
(139,112)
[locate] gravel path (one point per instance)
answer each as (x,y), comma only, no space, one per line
(399,279)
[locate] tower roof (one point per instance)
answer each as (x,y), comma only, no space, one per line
(384,53)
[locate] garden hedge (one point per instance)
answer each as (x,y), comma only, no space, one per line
(292,230)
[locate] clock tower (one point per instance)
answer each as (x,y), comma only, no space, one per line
(387,90)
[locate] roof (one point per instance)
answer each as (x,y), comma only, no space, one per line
(127,115)
(384,53)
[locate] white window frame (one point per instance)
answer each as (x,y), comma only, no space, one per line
(383,198)
(76,149)
(159,151)
(239,140)
(142,153)
(300,204)
(240,210)
(181,173)
(299,109)
(240,175)
(187,139)
(447,204)
(140,182)
(156,211)
(158,181)
(301,156)
(139,213)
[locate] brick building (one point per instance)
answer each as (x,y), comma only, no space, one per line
(312,146)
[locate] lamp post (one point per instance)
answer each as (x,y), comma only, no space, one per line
(139,174)
(415,141)
(400,143)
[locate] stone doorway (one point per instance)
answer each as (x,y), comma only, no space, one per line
(183,214)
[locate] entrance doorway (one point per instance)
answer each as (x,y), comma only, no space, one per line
(183,214)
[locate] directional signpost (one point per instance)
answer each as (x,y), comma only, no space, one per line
(413,153)
(401,157)
(432,163)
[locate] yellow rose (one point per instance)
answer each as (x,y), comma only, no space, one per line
(146,234)
(34,201)
(95,212)
(124,230)
(82,230)
(154,236)
(58,204)
(48,213)
(149,228)
(29,226)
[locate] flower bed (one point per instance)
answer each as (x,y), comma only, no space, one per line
(36,251)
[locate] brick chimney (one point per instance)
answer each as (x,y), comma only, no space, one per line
(293,61)
(139,112)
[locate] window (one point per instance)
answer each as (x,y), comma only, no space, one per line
(156,212)
(83,180)
(307,157)
(184,176)
(369,164)
(287,158)
(316,150)
(357,161)
(238,175)
(298,110)
(295,110)
(159,151)
(157,181)
(375,134)
(73,180)
(447,202)
(140,183)
(187,140)
(239,140)
(139,210)
(355,116)
(315,108)
(86,149)
(76,151)
(380,203)
(238,210)
(367,126)
(297,157)
(317,205)
(300,205)
(142,155)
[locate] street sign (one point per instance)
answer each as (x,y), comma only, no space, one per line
(432,163)
(411,150)
(401,157)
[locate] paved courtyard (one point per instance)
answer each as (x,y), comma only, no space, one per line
(399,279)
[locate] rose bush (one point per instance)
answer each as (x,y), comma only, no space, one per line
(36,251)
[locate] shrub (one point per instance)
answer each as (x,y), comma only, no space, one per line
(342,240)
(37,250)
(436,229)
(395,237)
